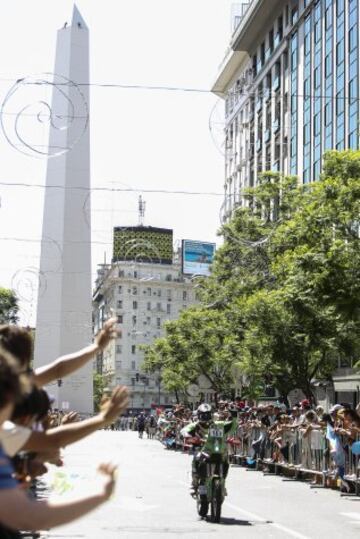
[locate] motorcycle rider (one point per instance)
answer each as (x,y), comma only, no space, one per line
(200,429)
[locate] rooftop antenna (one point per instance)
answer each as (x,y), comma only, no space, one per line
(142,205)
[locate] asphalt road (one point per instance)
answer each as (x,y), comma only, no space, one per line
(152,498)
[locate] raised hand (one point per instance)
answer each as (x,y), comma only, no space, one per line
(108,471)
(108,332)
(71,417)
(114,406)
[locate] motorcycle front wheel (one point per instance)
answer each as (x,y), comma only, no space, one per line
(216,501)
(202,505)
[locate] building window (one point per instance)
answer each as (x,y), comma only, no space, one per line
(339,7)
(134,290)
(135,304)
(119,304)
(317,124)
(149,291)
(133,365)
(328,65)
(352,38)
(168,294)
(168,308)
(158,323)
(328,18)
(148,320)
(133,348)
(118,349)
(294,15)
(184,295)
(158,306)
(135,274)
(120,289)
(134,320)
(339,53)
(159,292)
(271,41)
(121,273)
(262,53)
(148,306)
(120,318)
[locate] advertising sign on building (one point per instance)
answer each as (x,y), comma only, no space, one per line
(197,257)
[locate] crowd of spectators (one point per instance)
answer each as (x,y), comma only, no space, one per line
(32,434)
(322,445)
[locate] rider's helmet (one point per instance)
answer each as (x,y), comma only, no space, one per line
(204,413)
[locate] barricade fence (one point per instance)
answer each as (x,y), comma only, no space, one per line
(302,452)
(299,452)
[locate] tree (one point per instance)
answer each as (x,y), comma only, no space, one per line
(199,343)
(9,307)
(283,300)
(99,384)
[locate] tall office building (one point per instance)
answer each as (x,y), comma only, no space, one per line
(290,81)
(64,313)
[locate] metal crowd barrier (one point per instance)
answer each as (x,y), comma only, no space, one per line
(295,453)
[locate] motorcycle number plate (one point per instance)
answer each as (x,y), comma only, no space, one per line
(202,489)
(216,433)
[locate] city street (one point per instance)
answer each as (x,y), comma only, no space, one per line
(152,498)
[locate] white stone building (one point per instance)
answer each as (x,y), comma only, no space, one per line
(143,296)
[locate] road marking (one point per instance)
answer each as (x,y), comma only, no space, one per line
(355,516)
(258,518)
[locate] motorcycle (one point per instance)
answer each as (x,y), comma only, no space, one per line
(211,489)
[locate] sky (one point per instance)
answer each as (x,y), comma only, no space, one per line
(143,139)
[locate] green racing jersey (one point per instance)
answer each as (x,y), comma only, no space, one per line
(215,435)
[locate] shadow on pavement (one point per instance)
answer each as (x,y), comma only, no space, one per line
(232,522)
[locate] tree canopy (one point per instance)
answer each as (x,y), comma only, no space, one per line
(283,300)
(9,307)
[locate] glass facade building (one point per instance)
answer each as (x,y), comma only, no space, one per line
(290,82)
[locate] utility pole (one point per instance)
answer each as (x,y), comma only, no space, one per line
(141,207)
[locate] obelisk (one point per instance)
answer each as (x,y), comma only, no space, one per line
(64,315)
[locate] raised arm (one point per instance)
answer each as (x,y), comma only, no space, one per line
(70,433)
(65,365)
(19,512)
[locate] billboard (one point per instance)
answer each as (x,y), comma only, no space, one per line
(143,244)
(197,256)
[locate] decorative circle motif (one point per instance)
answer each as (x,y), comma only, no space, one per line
(217,126)
(28,283)
(193,390)
(23,121)
(225,215)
